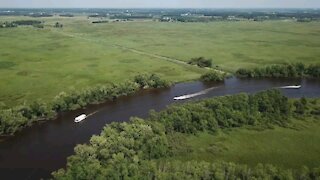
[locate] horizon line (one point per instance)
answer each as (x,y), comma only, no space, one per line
(159,7)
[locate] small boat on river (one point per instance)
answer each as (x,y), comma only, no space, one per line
(291,87)
(80,118)
(188,96)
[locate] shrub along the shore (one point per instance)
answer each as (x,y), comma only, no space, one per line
(201,62)
(213,76)
(16,118)
(281,71)
(136,150)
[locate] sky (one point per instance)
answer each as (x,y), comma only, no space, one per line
(160,3)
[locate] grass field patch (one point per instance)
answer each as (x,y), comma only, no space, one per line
(284,147)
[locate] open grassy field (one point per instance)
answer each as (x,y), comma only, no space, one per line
(230,44)
(284,147)
(40,63)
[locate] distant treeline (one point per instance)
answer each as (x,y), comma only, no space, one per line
(281,71)
(7,25)
(40,15)
(14,119)
(27,22)
(181,15)
(20,23)
(97,22)
(134,16)
(136,150)
(66,15)
(97,15)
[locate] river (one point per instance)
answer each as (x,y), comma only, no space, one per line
(37,151)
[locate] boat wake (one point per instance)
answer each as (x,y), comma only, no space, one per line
(291,87)
(92,113)
(188,96)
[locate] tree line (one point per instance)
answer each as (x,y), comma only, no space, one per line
(281,71)
(21,23)
(16,118)
(136,150)
(7,24)
(27,22)
(262,109)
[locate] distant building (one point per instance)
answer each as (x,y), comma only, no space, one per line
(166,19)
(186,14)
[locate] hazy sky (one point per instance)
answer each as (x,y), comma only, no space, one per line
(162,3)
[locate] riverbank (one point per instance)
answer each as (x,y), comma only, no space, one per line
(39,111)
(53,141)
(16,118)
(138,146)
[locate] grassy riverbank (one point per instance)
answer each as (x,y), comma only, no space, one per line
(40,63)
(283,147)
(16,118)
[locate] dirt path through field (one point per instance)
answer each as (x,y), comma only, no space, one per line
(140,52)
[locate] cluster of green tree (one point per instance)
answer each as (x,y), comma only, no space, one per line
(201,62)
(304,20)
(213,76)
(133,150)
(58,25)
(27,22)
(37,24)
(263,109)
(40,15)
(223,170)
(66,15)
(281,70)
(146,81)
(8,25)
(176,170)
(117,152)
(96,22)
(102,15)
(16,118)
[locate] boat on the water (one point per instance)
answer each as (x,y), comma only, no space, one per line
(80,118)
(291,87)
(188,96)
(184,97)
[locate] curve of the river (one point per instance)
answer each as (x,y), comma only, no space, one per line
(43,148)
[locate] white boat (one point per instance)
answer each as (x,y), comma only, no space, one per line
(291,87)
(185,97)
(80,118)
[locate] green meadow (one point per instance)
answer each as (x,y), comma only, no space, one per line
(284,147)
(40,63)
(229,44)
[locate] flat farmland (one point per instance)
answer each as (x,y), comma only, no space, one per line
(40,63)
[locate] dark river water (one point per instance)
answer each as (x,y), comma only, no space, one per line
(43,148)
